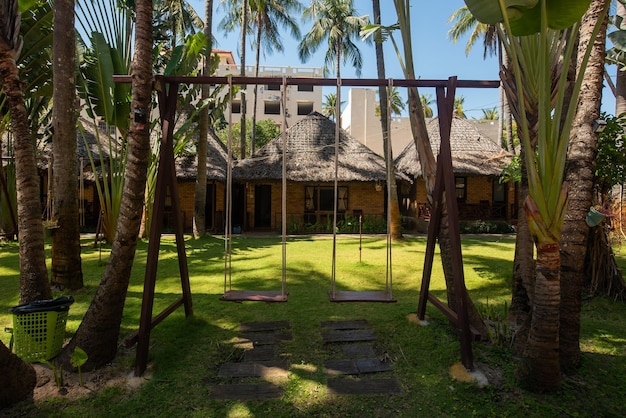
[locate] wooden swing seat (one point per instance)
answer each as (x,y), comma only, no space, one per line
(348,296)
(268,296)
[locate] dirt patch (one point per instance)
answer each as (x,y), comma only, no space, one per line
(71,388)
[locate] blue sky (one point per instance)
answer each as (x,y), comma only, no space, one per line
(436,57)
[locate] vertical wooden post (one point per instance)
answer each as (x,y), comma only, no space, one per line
(445,186)
(166,178)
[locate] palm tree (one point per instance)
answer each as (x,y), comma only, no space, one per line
(33,271)
(335,21)
(329,107)
(581,156)
(179,17)
(267,17)
(199,221)
(395,105)
(66,262)
(424,150)
(490,114)
(547,91)
(99,331)
(464,23)
(458,107)
(427,100)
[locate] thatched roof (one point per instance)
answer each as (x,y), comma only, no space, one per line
(473,153)
(217,161)
(310,145)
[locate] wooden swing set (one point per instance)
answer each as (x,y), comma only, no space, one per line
(444,194)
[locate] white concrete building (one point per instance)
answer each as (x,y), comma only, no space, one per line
(301,99)
(359,120)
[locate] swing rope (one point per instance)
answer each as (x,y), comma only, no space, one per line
(228,250)
(253,295)
(284,193)
(367,296)
(390,173)
(333,285)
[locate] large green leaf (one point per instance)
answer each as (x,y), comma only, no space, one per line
(525,15)
(98,71)
(489,12)
(618,38)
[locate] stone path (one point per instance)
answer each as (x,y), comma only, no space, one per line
(353,369)
(359,371)
(261,364)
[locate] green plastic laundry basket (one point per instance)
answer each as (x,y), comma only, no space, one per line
(39,328)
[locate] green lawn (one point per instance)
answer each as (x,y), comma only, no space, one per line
(185,353)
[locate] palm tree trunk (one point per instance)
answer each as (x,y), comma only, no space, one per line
(256,88)
(199,208)
(33,272)
(18,378)
(244,28)
(99,331)
(66,261)
(579,174)
(429,168)
(620,82)
(541,354)
(394,208)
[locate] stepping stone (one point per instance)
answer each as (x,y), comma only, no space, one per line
(335,367)
(263,338)
(262,353)
(359,366)
(342,336)
(260,369)
(246,391)
(349,324)
(358,350)
(264,326)
(364,386)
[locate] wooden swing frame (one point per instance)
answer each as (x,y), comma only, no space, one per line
(167,88)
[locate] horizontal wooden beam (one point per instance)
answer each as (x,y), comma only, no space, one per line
(292,81)
(452,316)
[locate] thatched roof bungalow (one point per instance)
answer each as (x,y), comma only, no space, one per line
(477,161)
(310,174)
(217,169)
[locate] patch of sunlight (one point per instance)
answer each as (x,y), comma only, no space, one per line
(305,393)
(306,368)
(604,344)
(239,410)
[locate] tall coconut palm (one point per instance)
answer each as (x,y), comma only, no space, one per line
(33,272)
(424,150)
(334,21)
(179,19)
(458,107)
(390,102)
(427,100)
(465,23)
(329,106)
(617,55)
(395,102)
(545,44)
(66,262)
(490,114)
(237,15)
(267,18)
(579,175)
(199,221)
(99,331)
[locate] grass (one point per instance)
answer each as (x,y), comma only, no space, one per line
(185,353)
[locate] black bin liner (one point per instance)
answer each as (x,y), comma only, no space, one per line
(59,304)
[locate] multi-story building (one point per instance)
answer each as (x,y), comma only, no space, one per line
(301,99)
